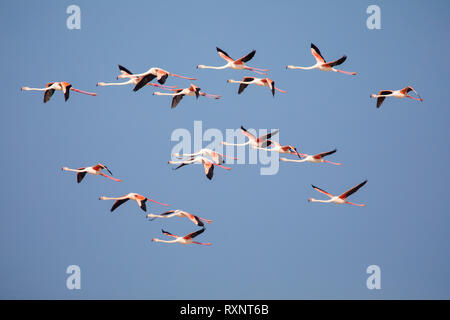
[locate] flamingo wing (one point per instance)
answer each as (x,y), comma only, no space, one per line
(192,235)
(167,233)
(142,204)
(143,81)
(66,89)
(124,70)
(80,175)
(247,134)
(118,203)
(167,212)
(48,93)
(352,190)
(242,86)
(247,57)
(322,191)
(161,76)
(105,167)
(324,154)
(196,220)
(176,99)
(181,165)
(224,55)
(267,136)
(272,87)
(408,89)
(197,92)
(336,62)
(381,99)
(316,53)
(209,169)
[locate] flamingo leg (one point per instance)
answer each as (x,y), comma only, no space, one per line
(253,69)
(418,99)
(161,86)
(176,75)
(355,204)
(346,72)
(84,92)
(336,163)
(206,220)
(213,96)
(226,168)
(205,244)
(280,90)
(106,176)
(163,204)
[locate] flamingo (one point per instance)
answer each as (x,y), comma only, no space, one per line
(217,157)
(341,199)
(193,90)
(402,93)
(160,74)
(50,88)
(187,239)
(140,199)
(321,64)
(262,82)
(316,158)
(131,80)
(179,213)
(95,170)
(255,143)
(238,64)
(208,165)
(282,149)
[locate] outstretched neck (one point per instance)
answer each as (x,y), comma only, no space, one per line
(200,66)
(165,241)
(317,200)
(302,68)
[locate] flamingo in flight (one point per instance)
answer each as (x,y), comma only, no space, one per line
(179,213)
(178,94)
(262,82)
(238,64)
(50,88)
(95,170)
(187,239)
(208,165)
(161,76)
(402,93)
(131,80)
(314,158)
(341,199)
(282,149)
(140,199)
(321,64)
(254,142)
(217,157)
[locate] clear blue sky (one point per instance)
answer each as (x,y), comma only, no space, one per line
(268,241)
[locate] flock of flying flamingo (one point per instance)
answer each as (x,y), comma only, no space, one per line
(209,158)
